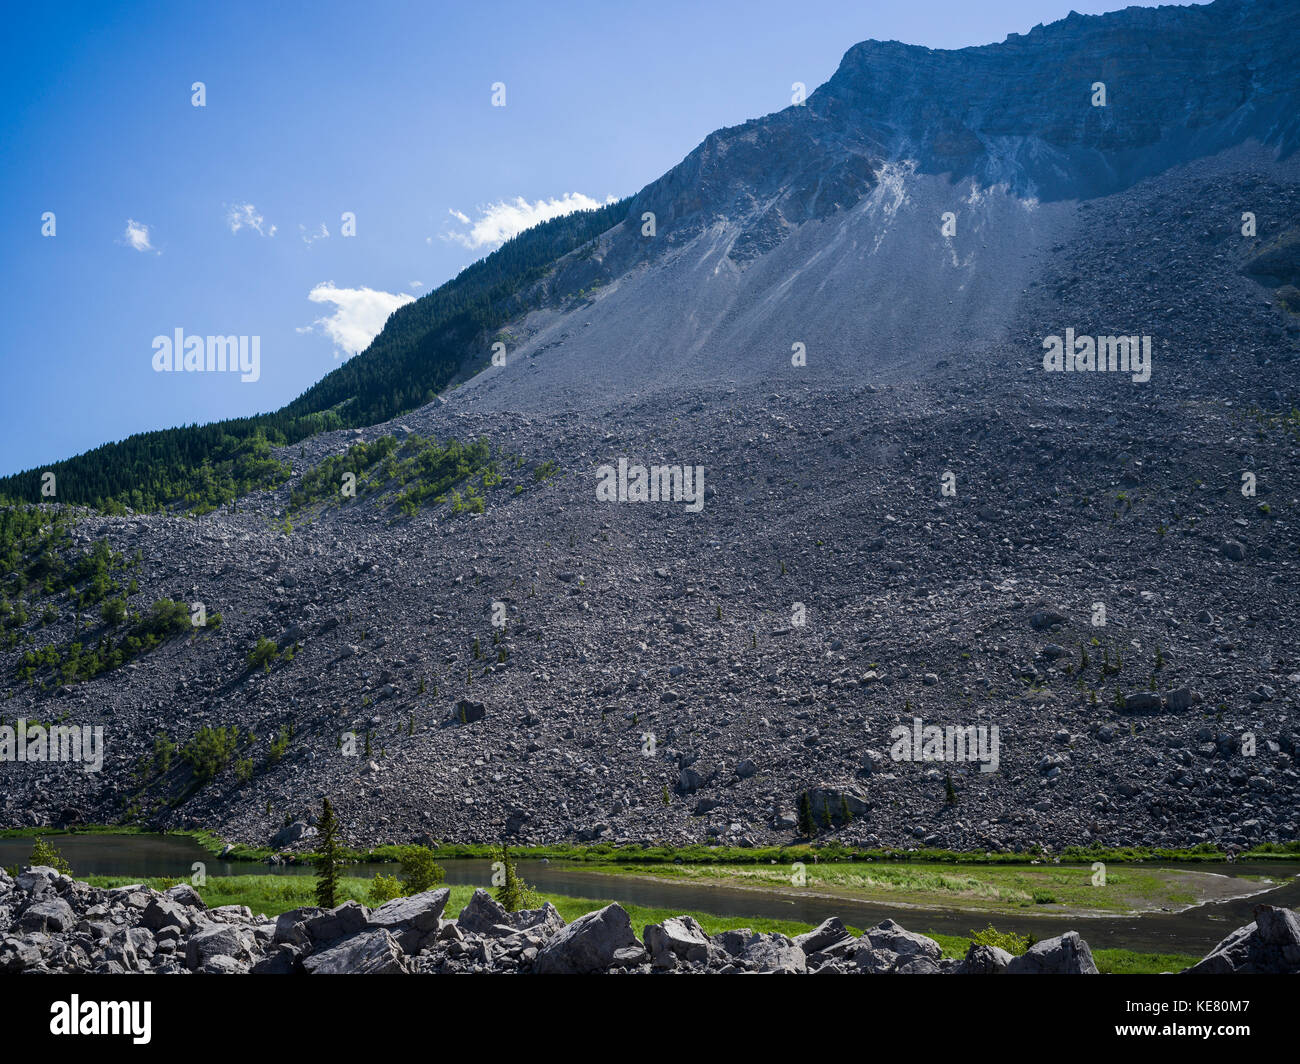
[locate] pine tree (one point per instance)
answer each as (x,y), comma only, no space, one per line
(806,826)
(327,864)
(514,894)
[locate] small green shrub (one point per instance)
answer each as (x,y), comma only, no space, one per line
(384,889)
(1008,940)
(45,854)
(263,654)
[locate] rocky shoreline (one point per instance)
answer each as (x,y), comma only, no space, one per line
(52,923)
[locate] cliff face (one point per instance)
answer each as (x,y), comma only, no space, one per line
(1180,82)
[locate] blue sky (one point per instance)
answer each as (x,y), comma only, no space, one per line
(209,219)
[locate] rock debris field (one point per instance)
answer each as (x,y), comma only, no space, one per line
(1070,558)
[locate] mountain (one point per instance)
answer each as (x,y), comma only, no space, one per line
(823,224)
(999,135)
(923,523)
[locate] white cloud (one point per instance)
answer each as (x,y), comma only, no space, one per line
(137,235)
(310,236)
(359,314)
(498,222)
(246,216)
(415,285)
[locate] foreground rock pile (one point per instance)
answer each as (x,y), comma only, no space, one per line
(50,922)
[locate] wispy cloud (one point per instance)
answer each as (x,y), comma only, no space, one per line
(137,236)
(359,314)
(498,222)
(310,236)
(414,286)
(246,216)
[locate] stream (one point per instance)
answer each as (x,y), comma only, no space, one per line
(1193,931)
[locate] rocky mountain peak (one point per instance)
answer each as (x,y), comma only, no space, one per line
(1180,82)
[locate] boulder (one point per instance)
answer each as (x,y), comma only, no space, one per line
(291,926)
(917,964)
(222,965)
(774,954)
(291,833)
(51,914)
(545,921)
(984,960)
(163,912)
(411,920)
(370,952)
(467,711)
(346,919)
(833,802)
(593,943)
(283,960)
(1270,945)
(677,938)
(1067,954)
(823,936)
(184,894)
(37,877)
(482,914)
(1048,617)
(891,936)
(221,940)
(1143,702)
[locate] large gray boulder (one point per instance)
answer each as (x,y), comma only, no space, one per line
(832,802)
(984,960)
(22,954)
(370,952)
(774,954)
(221,940)
(892,936)
(38,877)
(291,833)
(284,959)
(593,943)
(763,953)
(1066,954)
(1270,945)
(346,919)
(291,926)
(184,894)
(468,711)
(52,915)
(545,921)
(163,912)
(483,915)
(823,936)
(679,938)
(412,920)
(222,965)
